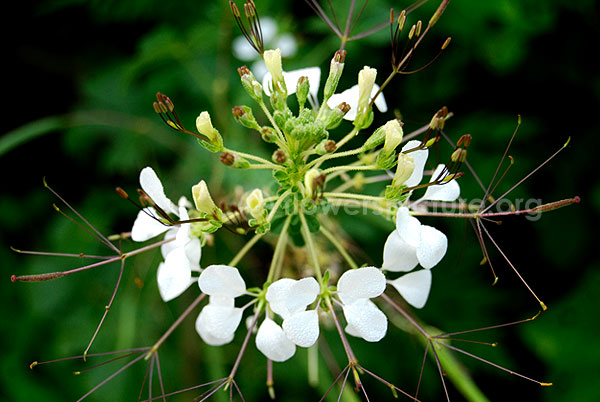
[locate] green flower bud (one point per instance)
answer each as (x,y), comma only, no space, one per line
(250,84)
(336,67)
(205,127)
(404,169)
(302,89)
(244,116)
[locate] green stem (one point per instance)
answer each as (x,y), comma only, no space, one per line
(274,268)
(319,161)
(354,196)
(345,168)
(364,205)
(312,251)
(347,138)
(339,247)
(283,143)
(245,249)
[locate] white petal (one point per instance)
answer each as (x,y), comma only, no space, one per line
(272,342)
(302,293)
(414,287)
(145,227)
(153,187)
(208,337)
(220,321)
(174,275)
(432,248)
(380,101)
(277,295)
(420,158)
(222,280)
(350,96)
(408,227)
(302,328)
(365,320)
(223,301)
(442,192)
(166,248)
(398,255)
(361,283)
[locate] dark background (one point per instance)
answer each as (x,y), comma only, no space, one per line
(79,80)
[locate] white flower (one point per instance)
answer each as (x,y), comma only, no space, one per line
(219,319)
(355,288)
(289,298)
(351,96)
(291,79)
(412,243)
(182,256)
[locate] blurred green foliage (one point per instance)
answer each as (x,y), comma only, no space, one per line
(85,73)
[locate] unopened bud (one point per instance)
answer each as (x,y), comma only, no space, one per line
(325,147)
(334,117)
(227,158)
(272,59)
(404,169)
(205,127)
(203,201)
(366,80)
(250,84)
(393,135)
(244,116)
(268,134)
(336,67)
(255,204)
(234,161)
(302,88)
(279,157)
(313,180)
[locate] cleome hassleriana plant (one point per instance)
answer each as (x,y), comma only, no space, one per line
(295,302)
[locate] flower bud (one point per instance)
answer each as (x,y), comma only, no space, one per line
(203,200)
(250,84)
(268,134)
(272,59)
(393,135)
(366,80)
(255,204)
(404,169)
(205,127)
(336,67)
(302,89)
(313,180)
(334,117)
(244,116)
(325,147)
(279,157)
(234,161)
